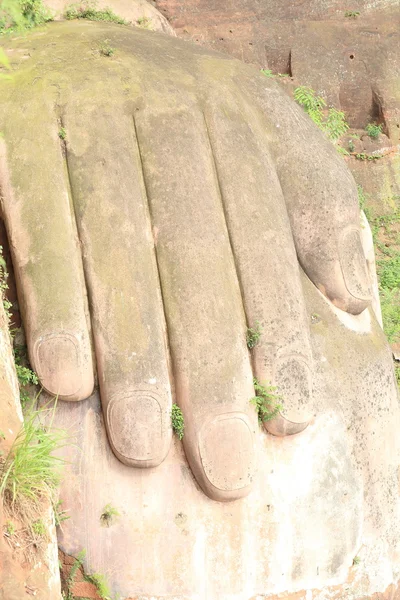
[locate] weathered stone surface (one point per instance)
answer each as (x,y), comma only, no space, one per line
(237,180)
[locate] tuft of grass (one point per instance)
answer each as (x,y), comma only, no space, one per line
(253,335)
(62,133)
(267,72)
(31,472)
(88,10)
(10,528)
(38,527)
(109,515)
(268,404)
(106,49)
(356,561)
(144,23)
(373,130)
(352,14)
(177,420)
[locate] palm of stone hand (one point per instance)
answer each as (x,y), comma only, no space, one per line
(169,220)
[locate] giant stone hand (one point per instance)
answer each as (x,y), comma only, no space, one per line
(189,200)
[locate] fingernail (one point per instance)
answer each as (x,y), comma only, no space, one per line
(227,451)
(354,265)
(293,383)
(58,364)
(136,429)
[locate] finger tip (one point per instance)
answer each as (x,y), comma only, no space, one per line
(138,431)
(223,459)
(64,367)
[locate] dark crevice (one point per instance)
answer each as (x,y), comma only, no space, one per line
(289,67)
(168,351)
(10,293)
(86,289)
(377,115)
(223,205)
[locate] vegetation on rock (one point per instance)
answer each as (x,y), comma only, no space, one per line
(373,130)
(17,15)
(253,335)
(266,401)
(177,420)
(31,471)
(108,516)
(88,10)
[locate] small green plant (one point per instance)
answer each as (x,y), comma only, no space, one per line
(267,72)
(88,10)
(266,401)
(352,14)
(333,124)
(78,563)
(356,560)
(109,515)
(10,528)
(253,335)
(100,582)
(373,130)
(177,420)
(62,133)
(60,515)
(38,527)
(106,49)
(4,286)
(144,23)
(351,146)
(364,156)
(312,104)
(26,377)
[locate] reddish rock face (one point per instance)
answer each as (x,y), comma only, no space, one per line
(352,61)
(268,10)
